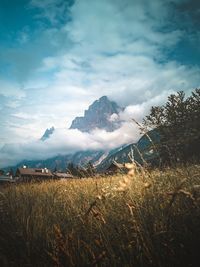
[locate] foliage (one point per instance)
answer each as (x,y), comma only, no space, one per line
(178,123)
(140,219)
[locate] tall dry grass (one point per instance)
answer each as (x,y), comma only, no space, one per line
(141,219)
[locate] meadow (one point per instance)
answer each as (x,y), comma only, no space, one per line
(143,218)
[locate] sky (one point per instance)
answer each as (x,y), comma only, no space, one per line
(58,56)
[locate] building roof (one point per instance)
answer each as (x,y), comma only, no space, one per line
(35,172)
(115,165)
(63,175)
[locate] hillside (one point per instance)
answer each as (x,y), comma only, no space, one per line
(143,150)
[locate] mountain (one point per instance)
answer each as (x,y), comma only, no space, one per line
(47,133)
(143,150)
(98,115)
(101,114)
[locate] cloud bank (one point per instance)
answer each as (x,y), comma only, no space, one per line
(68,141)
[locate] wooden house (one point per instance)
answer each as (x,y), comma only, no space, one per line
(115,167)
(37,174)
(4,179)
(62,175)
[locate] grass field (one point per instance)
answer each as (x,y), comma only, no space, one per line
(141,219)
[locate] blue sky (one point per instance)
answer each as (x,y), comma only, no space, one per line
(57,56)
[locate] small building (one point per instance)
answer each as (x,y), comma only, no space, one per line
(37,174)
(4,179)
(62,175)
(115,167)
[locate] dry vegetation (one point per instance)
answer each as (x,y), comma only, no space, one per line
(142,219)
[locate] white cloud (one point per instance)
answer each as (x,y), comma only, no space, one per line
(123,54)
(63,142)
(9,89)
(115,48)
(114,117)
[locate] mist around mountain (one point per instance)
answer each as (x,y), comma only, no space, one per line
(102,114)
(141,152)
(98,116)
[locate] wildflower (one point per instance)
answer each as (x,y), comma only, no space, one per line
(147,185)
(130,166)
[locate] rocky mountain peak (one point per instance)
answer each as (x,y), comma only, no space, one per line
(101,114)
(47,133)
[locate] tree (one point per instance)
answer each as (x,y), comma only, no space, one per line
(90,169)
(74,170)
(178,123)
(71,168)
